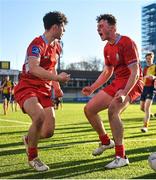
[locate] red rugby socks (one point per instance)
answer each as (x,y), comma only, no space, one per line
(120,151)
(32,153)
(105,140)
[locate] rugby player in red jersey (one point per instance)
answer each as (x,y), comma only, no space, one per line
(33,92)
(121,59)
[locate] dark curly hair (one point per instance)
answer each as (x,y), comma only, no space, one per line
(54,17)
(109,17)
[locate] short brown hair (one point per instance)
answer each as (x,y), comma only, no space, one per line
(109,17)
(149,54)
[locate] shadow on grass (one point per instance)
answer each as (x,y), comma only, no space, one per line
(147,176)
(60,170)
(74,130)
(141,135)
(10,165)
(57,146)
(10,145)
(73,127)
(129,120)
(17,172)
(13,132)
(66,145)
(69,169)
(12,152)
(141,150)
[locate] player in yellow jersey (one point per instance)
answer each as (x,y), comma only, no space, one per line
(147,96)
(6,93)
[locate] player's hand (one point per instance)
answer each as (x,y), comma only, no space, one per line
(86,91)
(63,77)
(120,96)
(58,93)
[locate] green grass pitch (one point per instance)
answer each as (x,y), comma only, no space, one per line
(69,152)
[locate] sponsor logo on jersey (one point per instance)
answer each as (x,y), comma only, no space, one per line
(35,50)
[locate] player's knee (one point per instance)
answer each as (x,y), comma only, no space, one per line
(111,112)
(38,119)
(86,110)
(49,133)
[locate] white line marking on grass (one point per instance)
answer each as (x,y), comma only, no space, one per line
(11,120)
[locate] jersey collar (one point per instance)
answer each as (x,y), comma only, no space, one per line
(117,39)
(44,39)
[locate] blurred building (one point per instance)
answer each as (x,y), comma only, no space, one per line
(79,79)
(148,30)
(5,70)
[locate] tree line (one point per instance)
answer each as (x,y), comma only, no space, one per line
(91,64)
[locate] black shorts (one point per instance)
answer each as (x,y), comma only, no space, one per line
(147,93)
(12,99)
(6,96)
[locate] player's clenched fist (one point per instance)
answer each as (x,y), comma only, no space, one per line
(63,77)
(87,91)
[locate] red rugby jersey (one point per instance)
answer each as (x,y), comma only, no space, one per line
(47,53)
(121,54)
